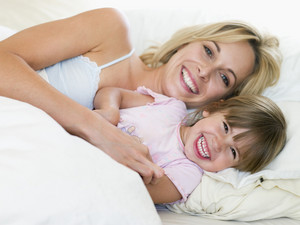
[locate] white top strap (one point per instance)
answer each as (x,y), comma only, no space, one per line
(117,60)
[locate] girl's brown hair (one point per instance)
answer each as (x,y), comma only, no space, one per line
(264,122)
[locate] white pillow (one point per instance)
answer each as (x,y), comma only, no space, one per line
(51,177)
(5,32)
(257,201)
(288,86)
(18,14)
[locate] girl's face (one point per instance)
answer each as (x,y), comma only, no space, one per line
(209,143)
(205,71)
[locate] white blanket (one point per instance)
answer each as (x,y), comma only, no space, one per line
(51,177)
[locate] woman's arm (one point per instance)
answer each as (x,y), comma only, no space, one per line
(164,191)
(43,45)
(109,100)
(46,44)
(92,31)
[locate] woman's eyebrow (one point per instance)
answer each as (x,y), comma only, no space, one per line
(217,46)
(235,78)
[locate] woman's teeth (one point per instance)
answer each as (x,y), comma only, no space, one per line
(202,148)
(187,80)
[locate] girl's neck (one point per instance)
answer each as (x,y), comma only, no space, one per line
(183,131)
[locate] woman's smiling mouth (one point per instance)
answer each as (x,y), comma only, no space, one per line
(201,148)
(188,81)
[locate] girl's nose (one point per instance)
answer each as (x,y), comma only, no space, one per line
(219,144)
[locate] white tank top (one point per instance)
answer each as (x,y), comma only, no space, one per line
(77,77)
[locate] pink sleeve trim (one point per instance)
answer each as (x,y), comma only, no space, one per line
(158,98)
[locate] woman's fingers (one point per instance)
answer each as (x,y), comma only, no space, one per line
(158,172)
(124,148)
(141,162)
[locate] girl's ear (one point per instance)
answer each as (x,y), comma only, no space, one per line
(205,113)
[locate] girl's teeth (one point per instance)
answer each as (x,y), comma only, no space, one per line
(187,80)
(201,145)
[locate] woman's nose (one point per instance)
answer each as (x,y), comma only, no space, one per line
(205,73)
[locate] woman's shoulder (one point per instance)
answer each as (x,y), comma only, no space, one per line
(110,25)
(115,19)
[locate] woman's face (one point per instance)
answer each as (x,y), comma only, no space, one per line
(210,144)
(205,71)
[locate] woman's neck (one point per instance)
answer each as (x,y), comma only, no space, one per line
(148,77)
(131,75)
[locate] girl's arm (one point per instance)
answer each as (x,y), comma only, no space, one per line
(109,100)
(164,191)
(107,103)
(46,44)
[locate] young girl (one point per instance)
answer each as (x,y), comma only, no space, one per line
(78,56)
(244,132)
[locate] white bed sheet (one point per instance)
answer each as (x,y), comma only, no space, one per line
(170,218)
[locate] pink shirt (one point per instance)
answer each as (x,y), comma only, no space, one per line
(157,126)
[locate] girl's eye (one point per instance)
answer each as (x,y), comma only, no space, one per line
(225,127)
(225,79)
(233,152)
(208,51)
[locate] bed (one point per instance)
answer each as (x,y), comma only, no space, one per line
(51,177)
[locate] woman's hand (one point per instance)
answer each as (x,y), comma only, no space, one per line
(121,147)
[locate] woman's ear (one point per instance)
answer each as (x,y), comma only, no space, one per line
(205,113)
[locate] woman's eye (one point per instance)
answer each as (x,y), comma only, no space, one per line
(233,152)
(225,79)
(208,51)
(225,127)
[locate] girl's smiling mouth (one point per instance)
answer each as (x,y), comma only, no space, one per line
(201,148)
(188,81)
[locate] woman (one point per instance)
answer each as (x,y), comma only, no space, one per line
(191,69)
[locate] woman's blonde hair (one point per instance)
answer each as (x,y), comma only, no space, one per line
(265,125)
(266,49)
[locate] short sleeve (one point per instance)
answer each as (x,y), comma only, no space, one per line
(160,99)
(185,176)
